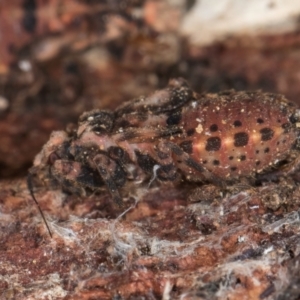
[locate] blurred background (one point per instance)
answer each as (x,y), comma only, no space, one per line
(61,58)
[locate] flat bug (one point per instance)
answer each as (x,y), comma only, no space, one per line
(176,134)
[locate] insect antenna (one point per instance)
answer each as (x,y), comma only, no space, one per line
(30,188)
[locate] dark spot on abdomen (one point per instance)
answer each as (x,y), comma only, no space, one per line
(266,134)
(190,131)
(237,123)
(213,144)
(213,128)
(216,162)
(187,146)
(241,139)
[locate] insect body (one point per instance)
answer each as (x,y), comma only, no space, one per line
(174,134)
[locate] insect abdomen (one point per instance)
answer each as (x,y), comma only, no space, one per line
(240,134)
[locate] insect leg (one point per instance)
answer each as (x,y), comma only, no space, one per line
(30,188)
(167,170)
(189,165)
(112,174)
(288,169)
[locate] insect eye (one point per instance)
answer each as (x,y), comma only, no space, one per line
(52,158)
(116,152)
